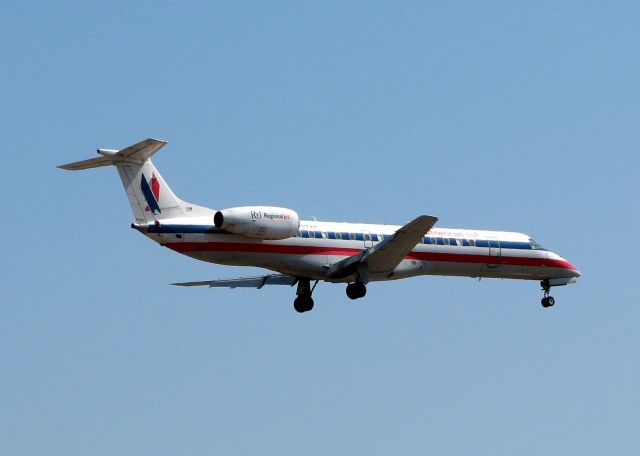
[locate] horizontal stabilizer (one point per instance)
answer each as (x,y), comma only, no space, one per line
(138,154)
(244,282)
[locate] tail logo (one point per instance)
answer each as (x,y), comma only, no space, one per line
(151,192)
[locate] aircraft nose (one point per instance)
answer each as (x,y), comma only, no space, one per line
(571,269)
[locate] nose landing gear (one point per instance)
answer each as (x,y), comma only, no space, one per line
(547,301)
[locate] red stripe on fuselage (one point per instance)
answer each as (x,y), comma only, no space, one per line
(192,247)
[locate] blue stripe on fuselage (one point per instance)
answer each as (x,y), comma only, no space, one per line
(184,229)
(211,229)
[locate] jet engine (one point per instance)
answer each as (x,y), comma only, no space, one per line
(261,222)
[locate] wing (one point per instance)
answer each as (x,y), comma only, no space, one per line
(386,255)
(244,282)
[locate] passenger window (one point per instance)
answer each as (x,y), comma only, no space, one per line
(304,233)
(367,237)
(465,242)
(359,237)
(440,241)
(352,236)
(332,235)
(374,237)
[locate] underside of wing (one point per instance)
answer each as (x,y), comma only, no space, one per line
(244,282)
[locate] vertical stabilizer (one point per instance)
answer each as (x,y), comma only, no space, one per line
(150,197)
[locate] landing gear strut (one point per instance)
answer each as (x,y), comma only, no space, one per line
(356,290)
(547,301)
(304,301)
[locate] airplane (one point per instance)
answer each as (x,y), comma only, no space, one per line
(299,252)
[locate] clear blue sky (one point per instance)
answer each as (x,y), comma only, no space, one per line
(487,115)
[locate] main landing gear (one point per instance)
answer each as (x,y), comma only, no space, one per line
(304,301)
(547,301)
(356,290)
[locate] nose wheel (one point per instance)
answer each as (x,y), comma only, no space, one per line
(546,301)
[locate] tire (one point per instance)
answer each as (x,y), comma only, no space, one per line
(309,304)
(303,304)
(352,291)
(299,305)
(361,289)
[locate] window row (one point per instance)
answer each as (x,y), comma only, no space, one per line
(343,236)
(427,240)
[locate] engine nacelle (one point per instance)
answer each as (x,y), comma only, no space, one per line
(261,222)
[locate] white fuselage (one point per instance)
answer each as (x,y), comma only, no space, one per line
(318,245)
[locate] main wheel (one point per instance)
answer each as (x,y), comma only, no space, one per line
(361,289)
(298,304)
(309,304)
(352,292)
(356,290)
(303,304)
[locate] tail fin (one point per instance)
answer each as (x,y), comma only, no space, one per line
(150,197)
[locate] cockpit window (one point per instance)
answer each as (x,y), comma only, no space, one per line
(535,245)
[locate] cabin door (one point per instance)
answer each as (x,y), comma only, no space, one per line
(495,251)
